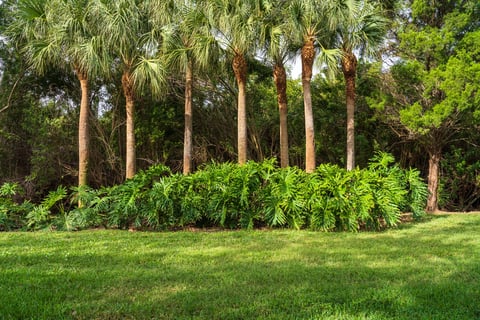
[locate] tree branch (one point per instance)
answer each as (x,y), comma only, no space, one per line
(11,92)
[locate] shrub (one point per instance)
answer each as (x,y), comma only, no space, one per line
(121,206)
(283,198)
(255,194)
(50,213)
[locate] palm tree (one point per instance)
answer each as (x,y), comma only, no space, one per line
(59,34)
(362,31)
(278,50)
(306,18)
(188,44)
(233,22)
(134,41)
(315,22)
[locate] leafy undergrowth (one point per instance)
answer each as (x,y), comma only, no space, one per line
(427,270)
(235,197)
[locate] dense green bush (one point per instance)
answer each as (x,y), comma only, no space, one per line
(121,206)
(232,196)
(51,213)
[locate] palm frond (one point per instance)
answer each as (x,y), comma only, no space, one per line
(149,74)
(328,59)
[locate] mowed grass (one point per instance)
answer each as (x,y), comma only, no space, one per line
(427,270)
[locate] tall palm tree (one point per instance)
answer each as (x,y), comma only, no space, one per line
(58,34)
(315,22)
(188,45)
(361,32)
(128,32)
(233,24)
(274,38)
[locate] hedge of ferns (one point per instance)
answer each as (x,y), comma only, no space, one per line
(231,196)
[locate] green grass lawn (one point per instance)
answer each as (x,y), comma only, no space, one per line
(427,270)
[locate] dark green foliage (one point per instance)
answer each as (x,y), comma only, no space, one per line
(221,194)
(417,192)
(460,183)
(371,198)
(234,193)
(50,213)
(232,196)
(122,206)
(284,199)
(11,212)
(258,194)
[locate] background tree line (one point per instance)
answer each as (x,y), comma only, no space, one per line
(92,91)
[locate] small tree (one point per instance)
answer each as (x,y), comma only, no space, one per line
(432,92)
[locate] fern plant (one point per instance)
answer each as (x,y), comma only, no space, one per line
(329,199)
(50,213)
(389,190)
(284,199)
(233,196)
(164,200)
(231,190)
(417,192)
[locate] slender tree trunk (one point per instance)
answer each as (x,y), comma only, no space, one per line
(130,109)
(240,70)
(187,142)
(349,67)
(308,56)
(83,133)
(433,178)
(280,78)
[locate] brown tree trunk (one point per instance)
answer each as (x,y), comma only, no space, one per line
(187,141)
(349,68)
(308,56)
(83,133)
(280,78)
(130,110)
(240,70)
(433,178)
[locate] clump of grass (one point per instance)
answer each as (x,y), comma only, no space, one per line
(428,270)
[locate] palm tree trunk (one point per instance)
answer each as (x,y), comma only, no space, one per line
(308,56)
(280,78)
(349,67)
(240,70)
(83,133)
(187,142)
(130,109)
(433,176)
